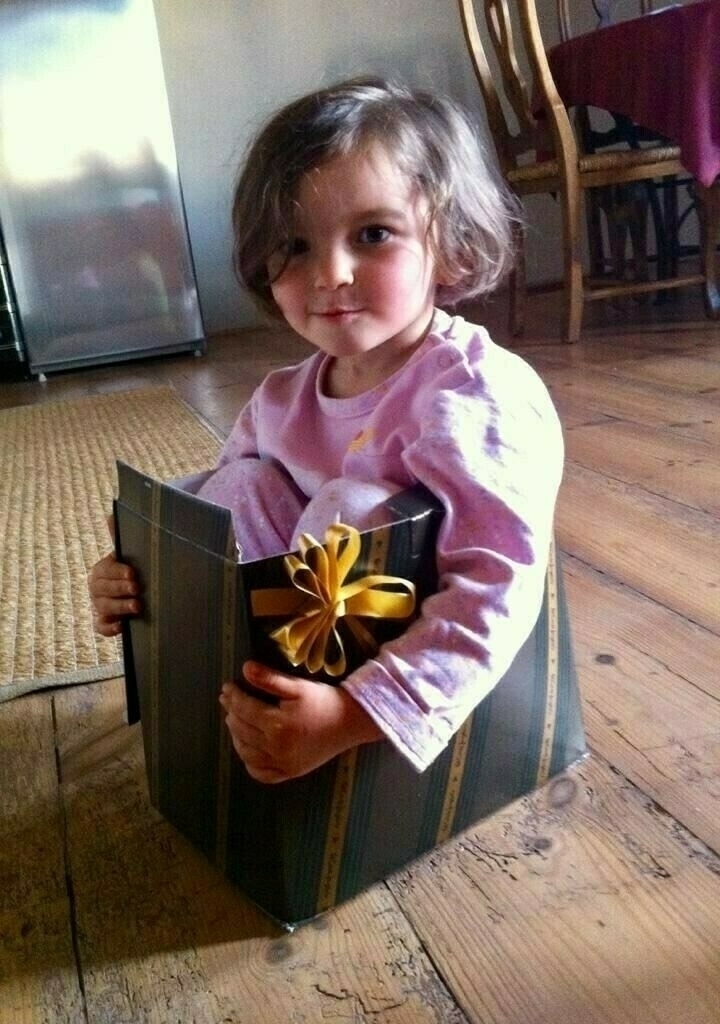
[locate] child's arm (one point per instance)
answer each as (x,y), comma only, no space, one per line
(491,450)
(308,725)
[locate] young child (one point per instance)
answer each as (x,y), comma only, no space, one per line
(360,207)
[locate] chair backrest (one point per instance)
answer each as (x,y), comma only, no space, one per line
(554,131)
(510,141)
(603,10)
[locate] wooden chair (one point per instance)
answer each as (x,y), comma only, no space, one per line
(626,207)
(569,173)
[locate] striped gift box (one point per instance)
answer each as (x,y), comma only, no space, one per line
(299,848)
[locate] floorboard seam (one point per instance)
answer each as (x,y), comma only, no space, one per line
(461,1016)
(69,887)
(683,833)
(565,552)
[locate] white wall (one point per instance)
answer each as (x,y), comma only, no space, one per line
(230,63)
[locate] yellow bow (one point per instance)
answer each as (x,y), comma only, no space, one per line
(321,597)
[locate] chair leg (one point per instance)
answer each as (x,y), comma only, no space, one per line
(617,228)
(518,285)
(637,226)
(572,259)
(573,301)
(666,227)
(625,208)
(709,210)
(594,233)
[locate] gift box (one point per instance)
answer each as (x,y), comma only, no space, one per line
(300,847)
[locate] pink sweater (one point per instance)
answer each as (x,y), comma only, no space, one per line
(475,424)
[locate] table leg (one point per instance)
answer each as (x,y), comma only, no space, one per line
(709,203)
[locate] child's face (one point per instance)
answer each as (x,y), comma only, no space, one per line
(361,274)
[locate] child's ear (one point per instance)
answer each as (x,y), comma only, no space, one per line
(446,278)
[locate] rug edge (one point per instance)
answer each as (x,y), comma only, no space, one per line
(93,674)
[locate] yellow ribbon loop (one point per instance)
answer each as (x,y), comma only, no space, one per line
(320,597)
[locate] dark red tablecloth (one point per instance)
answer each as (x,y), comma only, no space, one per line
(661,70)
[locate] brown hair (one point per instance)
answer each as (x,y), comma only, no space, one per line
(470,210)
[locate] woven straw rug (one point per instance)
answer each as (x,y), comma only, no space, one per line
(57,481)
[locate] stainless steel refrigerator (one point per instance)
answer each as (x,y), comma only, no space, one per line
(97,264)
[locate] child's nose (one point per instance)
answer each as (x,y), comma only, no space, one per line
(333,267)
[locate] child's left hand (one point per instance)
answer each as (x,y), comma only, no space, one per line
(310,724)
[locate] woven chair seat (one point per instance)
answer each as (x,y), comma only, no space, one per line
(609,160)
(534,172)
(622,158)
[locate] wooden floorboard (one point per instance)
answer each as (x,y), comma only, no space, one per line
(651,695)
(654,459)
(696,375)
(584,903)
(39,980)
(634,401)
(146,951)
(636,536)
(594,900)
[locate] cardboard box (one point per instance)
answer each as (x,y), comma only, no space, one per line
(300,847)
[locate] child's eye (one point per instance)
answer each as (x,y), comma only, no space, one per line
(373,234)
(297,247)
(280,258)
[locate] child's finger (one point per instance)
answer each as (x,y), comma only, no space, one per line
(108,577)
(247,751)
(241,704)
(274,683)
(258,764)
(114,570)
(253,759)
(112,587)
(244,731)
(107,626)
(267,775)
(113,607)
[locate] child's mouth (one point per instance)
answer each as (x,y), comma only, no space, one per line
(337,314)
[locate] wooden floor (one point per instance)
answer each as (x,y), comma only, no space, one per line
(596,901)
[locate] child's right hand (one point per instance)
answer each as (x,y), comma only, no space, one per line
(114,594)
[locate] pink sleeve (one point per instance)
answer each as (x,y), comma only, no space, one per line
(242,439)
(239,444)
(495,462)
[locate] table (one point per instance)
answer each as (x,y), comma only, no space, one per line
(662,70)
